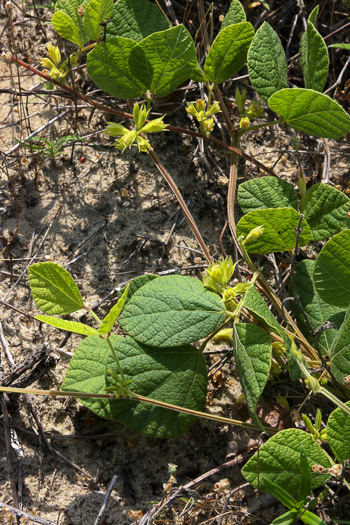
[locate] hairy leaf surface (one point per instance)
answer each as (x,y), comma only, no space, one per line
(279,230)
(326,210)
(135,19)
(267,63)
(175,375)
(252,351)
(311,112)
(228,52)
(279,461)
(266,192)
(171,311)
(332,270)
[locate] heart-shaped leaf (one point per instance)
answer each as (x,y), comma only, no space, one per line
(171,311)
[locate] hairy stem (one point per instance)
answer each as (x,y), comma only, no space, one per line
(136,397)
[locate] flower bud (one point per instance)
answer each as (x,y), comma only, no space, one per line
(80,10)
(140,115)
(115,130)
(208,125)
(318,469)
(254,234)
(244,122)
(54,53)
(312,384)
(142,144)
(213,110)
(191,110)
(47,63)
(200,105)
(154,126)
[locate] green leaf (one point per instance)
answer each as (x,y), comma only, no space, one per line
(316,309)
(286,519)
(108,322)
(68,326)
(332,270)
(326,210)
(87,373)
(279,230)
(340,352)
(234,15)
(108,66)
(136,283)
(135,19)
(313,15)
(171,311)
(67,28)
(257,306)
(267,65)
(53,288)
(341,46)
(338,434)
(311,112)
(252,352)
(96,12)
(278,460)
(163,60)
(313,58)
(304,488)
(174,375)
(228,52)
(280,494)
(266,192)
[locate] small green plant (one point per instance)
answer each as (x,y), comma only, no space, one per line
(48,148)
(154,379)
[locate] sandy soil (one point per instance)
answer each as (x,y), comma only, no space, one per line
(108,218)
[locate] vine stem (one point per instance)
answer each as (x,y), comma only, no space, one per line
(123,114)
(181,201)
(136,397)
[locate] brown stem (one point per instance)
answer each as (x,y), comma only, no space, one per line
(182,203)
(123,114)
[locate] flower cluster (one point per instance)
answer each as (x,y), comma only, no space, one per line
(134,136)
(202,115)
(54,67)
(218,275)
